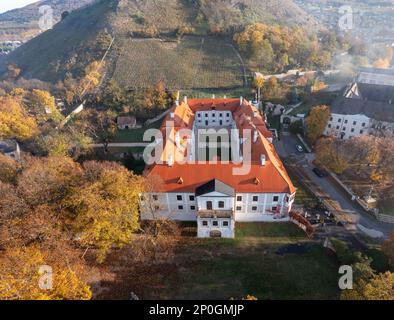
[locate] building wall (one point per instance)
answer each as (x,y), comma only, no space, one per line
(347,126)
(356,125)
(204,231)
(213,118)
(244,205)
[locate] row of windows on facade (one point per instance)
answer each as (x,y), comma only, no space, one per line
(215,223)
(179,197)
(344,129)
(346,121)
(238,208)
(214,115)
(192,198)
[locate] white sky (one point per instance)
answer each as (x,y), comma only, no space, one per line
(6,5)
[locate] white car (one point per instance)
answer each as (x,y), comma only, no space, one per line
(299,148)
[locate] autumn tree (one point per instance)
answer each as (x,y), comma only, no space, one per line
(105,208)
(330,155)
(22,278)
(8,169)
(316,122)
(42,105)
(14,120)
(48,180)
(258,83)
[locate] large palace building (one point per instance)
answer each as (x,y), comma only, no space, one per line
(216,165)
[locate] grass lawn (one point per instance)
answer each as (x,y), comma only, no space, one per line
(135,135)
(274,122)
(251,264)
(386,206)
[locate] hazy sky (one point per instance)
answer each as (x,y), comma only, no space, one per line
(6,5)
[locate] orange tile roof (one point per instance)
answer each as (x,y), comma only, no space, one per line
(270,178)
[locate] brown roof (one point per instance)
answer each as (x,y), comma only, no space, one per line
(271,178)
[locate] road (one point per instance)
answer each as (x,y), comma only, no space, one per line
(286,150)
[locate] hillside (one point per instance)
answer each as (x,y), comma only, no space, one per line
(22,24)
(140,57)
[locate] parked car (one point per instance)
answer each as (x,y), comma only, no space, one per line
(320,172)
(299,148)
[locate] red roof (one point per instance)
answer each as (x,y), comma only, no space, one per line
(270,178)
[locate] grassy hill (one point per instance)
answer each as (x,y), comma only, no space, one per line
(22,24)
(198,60)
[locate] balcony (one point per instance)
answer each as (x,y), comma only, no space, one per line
(215,214)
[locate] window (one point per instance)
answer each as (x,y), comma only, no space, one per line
(238,208)
(361,131)
(239,198)
(354,123)
(254,208)
(221,204)
(199,115)
(191,198)
(352,130)
(213,115)
(339,120)
(274,208)
(228,115)
(206,115)
(180,207)
(142,198)
(276,198)
(329,125)
(179,197)
(155,197)
(215,223)
(225,224)
(157,208)
(192,208)
(344,129)
(220,115)
(331,119)
(255,198)
(345,121)
(209,205)
(363,124)
(205,223)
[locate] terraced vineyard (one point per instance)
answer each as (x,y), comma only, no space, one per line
(194,62)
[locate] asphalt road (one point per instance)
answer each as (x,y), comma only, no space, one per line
(286,150)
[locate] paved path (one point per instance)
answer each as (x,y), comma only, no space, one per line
(121,145)
(286,149)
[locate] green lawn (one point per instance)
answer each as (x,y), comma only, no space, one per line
(135,135)
(386,206)
(250,264)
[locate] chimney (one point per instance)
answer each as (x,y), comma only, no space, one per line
(185,99)
(241,100)
(172,115)
(255,136)
(262,160)
(170,160)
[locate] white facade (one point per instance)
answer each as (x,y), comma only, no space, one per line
(347,126)
(213,118)
(246,206)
